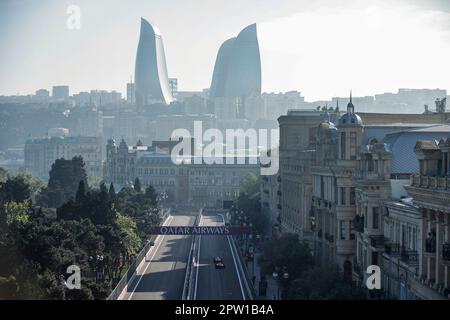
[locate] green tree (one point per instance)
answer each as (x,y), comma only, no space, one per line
(103,188)
(35,184)
(17,212)
(3,175)
(81,192)
(137,185)
(151,196)
(324,283)
(286,252)
(249,201)
(127,230)
(112,191)
(14,189)
(65,176)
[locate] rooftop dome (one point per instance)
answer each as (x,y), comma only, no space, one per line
(350,117)
(327,127)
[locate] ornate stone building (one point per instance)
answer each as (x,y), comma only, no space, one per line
(373,188)
(333,207)
(430,189)
(199,184)
(336,176)
(297,146)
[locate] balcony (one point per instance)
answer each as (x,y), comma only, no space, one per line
(392,248)
(410,257)
(359,224)
(329,237)
(431,182)
(368,175)
(446,252)
(377,241)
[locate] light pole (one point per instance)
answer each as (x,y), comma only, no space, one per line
(276,276)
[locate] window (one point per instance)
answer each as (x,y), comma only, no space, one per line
(352,145)
(365,217)
(351,231)
(342,229)
(343,151)
(343,196)
(352,196)
(375,258)
(375,217)
(322,187)
(370,166)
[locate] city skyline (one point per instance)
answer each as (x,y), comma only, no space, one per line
(335,54)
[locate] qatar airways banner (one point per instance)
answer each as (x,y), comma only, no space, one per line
(203,230)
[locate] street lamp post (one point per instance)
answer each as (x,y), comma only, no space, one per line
(276,275)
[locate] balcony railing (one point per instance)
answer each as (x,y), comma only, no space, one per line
(410,257)
(392,248)
(431,182)
(446,251)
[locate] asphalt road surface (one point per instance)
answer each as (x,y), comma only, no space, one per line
(162,275)
(212,283)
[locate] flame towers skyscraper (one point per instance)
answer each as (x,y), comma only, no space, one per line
(237,72)
(152,81)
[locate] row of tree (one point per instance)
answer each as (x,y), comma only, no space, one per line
(299,277)
(46,229)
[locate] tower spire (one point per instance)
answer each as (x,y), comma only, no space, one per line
(350,106)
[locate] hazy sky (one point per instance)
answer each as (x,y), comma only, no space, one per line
(322,49)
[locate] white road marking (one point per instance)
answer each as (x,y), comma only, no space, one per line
(154,251)
(197,263)
(235,264)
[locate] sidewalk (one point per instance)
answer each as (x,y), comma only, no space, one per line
(272,290)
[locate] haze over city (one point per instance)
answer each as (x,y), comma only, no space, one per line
(322,48)
(211,150)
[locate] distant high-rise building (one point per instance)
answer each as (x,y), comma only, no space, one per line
(173,85)
(237,72)
(103,97)
(152,82)
(60,92)
(42,93)
(131,93)
(40,154)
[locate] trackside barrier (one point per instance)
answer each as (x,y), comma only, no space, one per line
(249,288)
(189,277)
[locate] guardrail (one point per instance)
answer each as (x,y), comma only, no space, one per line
(249,288)
(189,276)
(132,269)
